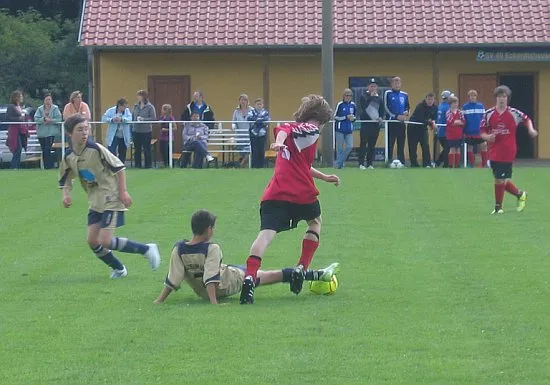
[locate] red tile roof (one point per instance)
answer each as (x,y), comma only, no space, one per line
(261,23)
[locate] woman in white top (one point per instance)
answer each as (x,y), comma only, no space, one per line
(241,127)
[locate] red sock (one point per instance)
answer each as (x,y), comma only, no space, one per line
(484,158)
(451,160)
(308,250)
(457,160)
(471,158)
(499,193)
(253,264)
(512,189)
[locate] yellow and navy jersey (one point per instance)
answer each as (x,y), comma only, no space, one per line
(201,264)
(96,168)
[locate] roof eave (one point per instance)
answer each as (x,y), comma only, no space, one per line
(316,47)
(83,4)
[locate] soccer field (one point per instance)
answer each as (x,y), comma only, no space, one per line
(433,289)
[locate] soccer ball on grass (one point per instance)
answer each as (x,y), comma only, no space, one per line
(325,288)
(396,163)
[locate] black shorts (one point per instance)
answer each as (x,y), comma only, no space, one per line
(107,219)
(281,215)
(454,143)
(501,170)
(473,140)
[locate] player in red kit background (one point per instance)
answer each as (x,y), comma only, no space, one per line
(455,131)
(291,195)
(498,127)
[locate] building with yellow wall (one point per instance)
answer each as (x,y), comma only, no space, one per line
(283,65)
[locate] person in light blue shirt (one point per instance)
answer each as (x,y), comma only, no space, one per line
(344,116)
(118,131)
(47,118)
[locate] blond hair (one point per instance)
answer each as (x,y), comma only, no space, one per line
(313,107)
(452,99)
(167,109)
(74,95)
(472,92)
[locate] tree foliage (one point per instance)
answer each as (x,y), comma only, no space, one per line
(40,53)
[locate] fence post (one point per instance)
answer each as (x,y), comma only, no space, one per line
(170,149)
(62,140)
(386,142)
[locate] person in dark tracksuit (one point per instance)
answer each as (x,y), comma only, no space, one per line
(425,113)
(397,108)
(441,129)
(371,107)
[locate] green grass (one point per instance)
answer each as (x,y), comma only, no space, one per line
(433,289)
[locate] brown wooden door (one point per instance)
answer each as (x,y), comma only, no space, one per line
(484,84)
(173,90)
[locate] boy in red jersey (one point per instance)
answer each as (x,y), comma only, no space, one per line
(498,127)
(455,132)
(291,195)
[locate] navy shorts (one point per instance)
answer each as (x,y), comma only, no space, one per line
(457,143)
(501,170)
(282,215)
(473,140)
(108,219)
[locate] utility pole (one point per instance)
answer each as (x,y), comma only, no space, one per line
(327,59)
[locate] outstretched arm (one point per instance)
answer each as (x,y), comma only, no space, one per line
(279,141)
(163,295)
(327,178)
(530,129)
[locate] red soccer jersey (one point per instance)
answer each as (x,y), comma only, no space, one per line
(292,180)
(504,126)
(455,131)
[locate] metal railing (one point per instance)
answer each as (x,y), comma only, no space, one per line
(220,133)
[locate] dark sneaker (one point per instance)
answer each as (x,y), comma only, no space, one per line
(297,279)
(247,291)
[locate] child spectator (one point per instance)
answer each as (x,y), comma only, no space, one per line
(455,131)
(473,112)
(166,116)
(258,133)
(344,115)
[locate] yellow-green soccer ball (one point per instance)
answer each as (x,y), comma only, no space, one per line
(325,288)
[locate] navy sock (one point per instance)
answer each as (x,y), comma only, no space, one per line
(286,274)
(127,246)
(107,257)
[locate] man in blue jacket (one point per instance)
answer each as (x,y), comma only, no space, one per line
(441,129)
(344,116)
(397,109)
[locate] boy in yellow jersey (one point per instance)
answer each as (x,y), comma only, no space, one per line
(198,262)
(102,176)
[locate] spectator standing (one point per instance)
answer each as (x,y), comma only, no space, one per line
(164,139)
(258,133)
(455,131)
(441,129)
(397,106)
(241,126)
(473,112)
(344,116)
(118,131)
(47,118)
(195,139)
(206,114)
(371,107)
(425,113)
(144,113)
(17,133)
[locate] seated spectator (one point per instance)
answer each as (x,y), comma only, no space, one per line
(17,133)
(118,131)
(47,118)
(195,140)
(258,133)
(241,126)
(164,139)
(206,114)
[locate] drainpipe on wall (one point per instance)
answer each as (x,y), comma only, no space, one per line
(91,81)
(435,82)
